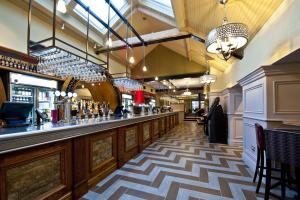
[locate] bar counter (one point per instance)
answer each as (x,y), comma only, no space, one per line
(63,161)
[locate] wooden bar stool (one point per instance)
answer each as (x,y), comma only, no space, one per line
(260,161)
(261,148)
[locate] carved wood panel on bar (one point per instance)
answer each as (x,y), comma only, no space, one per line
(145,134)
(37,173)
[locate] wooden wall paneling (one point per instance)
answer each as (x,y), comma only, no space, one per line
(80,166)
(162,126)
(167,123)
(145,134)
(105,92)
(172,121)
(42,172)
(3,97)
(176,119)
(155,129)
(103,157)
(128,143)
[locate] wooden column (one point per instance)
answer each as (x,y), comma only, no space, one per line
(155,129)
(80,166)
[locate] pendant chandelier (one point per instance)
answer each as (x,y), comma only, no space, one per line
(226,38)
(187,92)
(208,78)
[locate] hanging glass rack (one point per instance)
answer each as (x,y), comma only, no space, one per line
(60,58)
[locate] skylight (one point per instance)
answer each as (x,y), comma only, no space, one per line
(100,8)
(165,2)
(162,6)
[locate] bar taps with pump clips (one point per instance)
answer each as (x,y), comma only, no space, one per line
(63,103)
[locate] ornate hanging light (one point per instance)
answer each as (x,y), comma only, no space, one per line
(208,78)
(227,38)
(187,92)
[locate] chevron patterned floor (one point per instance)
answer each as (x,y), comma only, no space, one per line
(183,166)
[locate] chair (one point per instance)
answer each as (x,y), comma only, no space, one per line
(261,148)
(260,161)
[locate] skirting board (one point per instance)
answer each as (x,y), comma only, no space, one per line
(249,162)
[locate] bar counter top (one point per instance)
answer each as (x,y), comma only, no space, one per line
(12,139)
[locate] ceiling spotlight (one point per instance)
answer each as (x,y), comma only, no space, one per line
(131,59)
(63,26)
(82,86)
(109,42)
(61,6)
(74,94)
(93,84)
(156,78)
(174,90)
(144,68)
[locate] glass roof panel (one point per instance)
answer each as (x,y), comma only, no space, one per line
(165,2)
(162,6)
(100,8)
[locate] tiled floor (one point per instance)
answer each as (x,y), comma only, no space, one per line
(181,165)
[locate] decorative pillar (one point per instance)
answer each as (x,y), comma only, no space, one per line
(232,102)
(271,96)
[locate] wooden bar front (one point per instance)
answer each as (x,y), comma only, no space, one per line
(69,168)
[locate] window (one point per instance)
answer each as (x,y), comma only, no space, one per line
(195,105)
(100,8)
(162,6)
(165,2)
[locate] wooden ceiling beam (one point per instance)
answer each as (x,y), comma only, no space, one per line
(179,12)
(152,38)
(188,49)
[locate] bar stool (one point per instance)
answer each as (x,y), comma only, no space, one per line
(260,161)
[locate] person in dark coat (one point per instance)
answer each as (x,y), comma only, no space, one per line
(216,123)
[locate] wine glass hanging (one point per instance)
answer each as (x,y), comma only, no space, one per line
(125,83)
(62,59)
(58,62)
